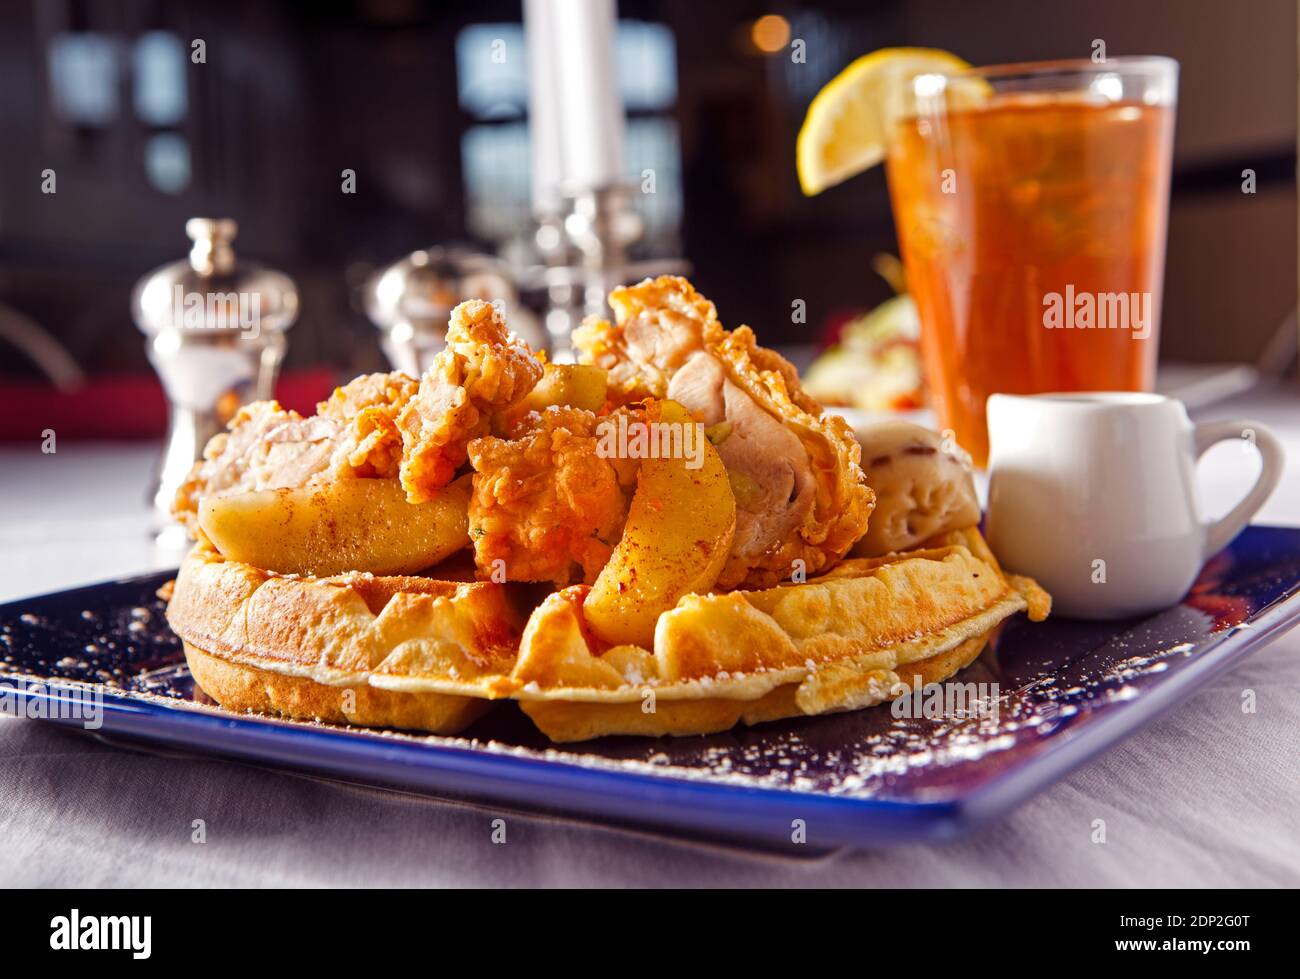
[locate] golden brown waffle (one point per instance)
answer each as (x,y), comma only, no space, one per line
(853,638)
(314,648)
(428,654)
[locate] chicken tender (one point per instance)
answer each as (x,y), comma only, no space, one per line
(390,392)
(545,503)
(660,323)
(483,370)
(353,434)
(801,498)
(371,404)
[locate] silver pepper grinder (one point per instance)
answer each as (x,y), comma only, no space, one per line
(216,336)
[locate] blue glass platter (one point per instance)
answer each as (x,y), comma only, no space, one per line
(1065,691)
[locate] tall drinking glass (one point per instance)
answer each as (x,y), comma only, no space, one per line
(1031,203)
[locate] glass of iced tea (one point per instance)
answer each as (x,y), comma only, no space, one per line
(1031,202)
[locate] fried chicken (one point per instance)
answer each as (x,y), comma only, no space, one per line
(379,425)
(483,369)
(660,323)
(545,503)
(796,474)
(370,404)
(389,392)
(353,434)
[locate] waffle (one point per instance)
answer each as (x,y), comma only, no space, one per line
(429,654)
(854,638)
(313,648)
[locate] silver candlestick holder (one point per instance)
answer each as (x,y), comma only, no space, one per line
(584,244)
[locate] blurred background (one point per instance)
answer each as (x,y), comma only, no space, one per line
(414,97)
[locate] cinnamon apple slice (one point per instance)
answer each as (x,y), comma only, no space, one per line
(676,540)
(343,525)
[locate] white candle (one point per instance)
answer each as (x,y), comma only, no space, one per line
(579,39)
(543,110)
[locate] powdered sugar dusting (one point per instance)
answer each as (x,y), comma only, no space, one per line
(1050,679)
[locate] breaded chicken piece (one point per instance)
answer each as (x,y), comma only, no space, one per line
(659,324)
(390,392)
(483,369)
(545,503)
(800,492)
(353,434)
(371,404)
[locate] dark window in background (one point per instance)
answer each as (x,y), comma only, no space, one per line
(291,94)
(86,73)
(158,64)
(492,81)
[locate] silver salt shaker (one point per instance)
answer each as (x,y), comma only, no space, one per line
(215,328)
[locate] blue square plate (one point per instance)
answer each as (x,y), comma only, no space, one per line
(1066,692)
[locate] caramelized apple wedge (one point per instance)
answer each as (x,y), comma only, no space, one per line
(343,525)
(576,385)
(676,540)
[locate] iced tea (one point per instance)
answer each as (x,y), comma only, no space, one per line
(1032,226)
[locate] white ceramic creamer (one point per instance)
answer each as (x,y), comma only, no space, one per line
(1094,495)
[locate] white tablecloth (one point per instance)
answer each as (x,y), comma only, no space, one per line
(1206,796)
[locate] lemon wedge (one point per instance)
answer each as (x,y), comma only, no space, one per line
(844,131)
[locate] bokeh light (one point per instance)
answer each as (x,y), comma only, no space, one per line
(770,33)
